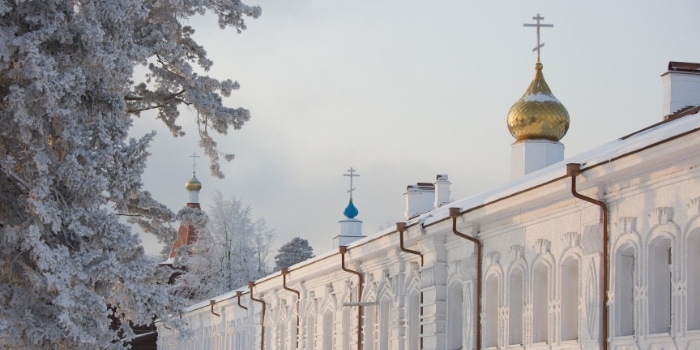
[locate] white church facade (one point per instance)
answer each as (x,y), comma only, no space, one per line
(597,251)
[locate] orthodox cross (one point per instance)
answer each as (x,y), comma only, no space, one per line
(538,26)
(194,157)
(352,174)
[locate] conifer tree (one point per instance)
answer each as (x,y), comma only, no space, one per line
(68,169)
(293,252)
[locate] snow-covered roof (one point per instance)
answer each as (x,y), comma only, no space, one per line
(635,142)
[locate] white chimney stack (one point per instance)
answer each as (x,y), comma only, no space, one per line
(442,190)
(419,199)
(681,86)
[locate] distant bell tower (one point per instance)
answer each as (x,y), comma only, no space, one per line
(537,121)
(187,234)
(350,228)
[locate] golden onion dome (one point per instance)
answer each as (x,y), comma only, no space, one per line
(193,184)
(538,115)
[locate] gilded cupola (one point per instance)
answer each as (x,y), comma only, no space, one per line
(538,115)
(193,184)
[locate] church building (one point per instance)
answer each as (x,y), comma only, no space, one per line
(597,251)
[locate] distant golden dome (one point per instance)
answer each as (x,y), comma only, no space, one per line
(193,184)
(538,115)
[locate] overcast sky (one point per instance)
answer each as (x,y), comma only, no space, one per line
(405,90)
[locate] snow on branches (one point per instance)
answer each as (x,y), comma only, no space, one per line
(231,249)
(68,169)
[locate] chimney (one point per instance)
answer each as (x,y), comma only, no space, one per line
(442,190)
(681,87)
(419,199)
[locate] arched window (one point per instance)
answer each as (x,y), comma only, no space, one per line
(292,331)
(414,320)
(310,332)
(660,285)
(384,324)
(282,335)
(369,320)
(268,337)
(328,330)
(624,290)
(490,297)
(569,298)
(540,307)
(455,325)
(346,328)
(694,280)
(515,304)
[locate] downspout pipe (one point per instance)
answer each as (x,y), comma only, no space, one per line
(454,213)
(573,170)
(284,272)
(238,294)
(212,302)
(251,284)
(343,249)
(401,227)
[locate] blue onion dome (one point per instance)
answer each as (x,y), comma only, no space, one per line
(351,212)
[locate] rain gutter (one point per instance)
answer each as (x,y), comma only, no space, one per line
(344,249)
(454,213)
(401,227)
(284,285)
(573,170)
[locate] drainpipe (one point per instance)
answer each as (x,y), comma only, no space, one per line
(573,170)
(238,294)
(454,213)
(251,284)
(284,284)
(401,227)
(343,249)
(212,303)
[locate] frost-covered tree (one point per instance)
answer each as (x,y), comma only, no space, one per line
(226,254)
(292,252)
(68,170)
(262,241)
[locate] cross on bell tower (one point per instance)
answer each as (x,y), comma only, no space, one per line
(538,26)
(194,157)
(351,175)
(350,228)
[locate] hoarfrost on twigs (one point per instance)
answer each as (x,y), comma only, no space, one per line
(68,169)
(231,249)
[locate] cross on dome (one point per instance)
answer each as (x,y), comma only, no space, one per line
(351,211)
(351,175)
(194,157)
(538,26)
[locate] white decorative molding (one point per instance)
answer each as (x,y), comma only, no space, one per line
(554,306)
(456,266)
(427,277)
(541,246)
(679,288)
(571,239)
(492,258)
(640,293)
(517,251)
(626,224)
(503,312)
(591,240)
(694,207)
(661,216)
(590,291)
